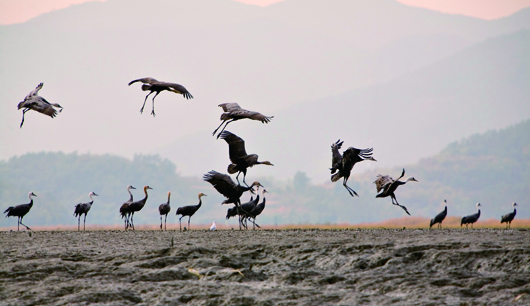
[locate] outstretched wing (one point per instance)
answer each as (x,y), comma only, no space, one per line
(147,80)
(382,182)
(228,107)
(243,113)
(221,182)
(354,155)
(34,92)
(236,145)
(178,89)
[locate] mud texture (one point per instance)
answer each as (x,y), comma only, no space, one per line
(267,267)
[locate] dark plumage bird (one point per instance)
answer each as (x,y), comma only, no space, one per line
(164,209)
(37,103)
(83,208)
(153,85)
(241,161)
(244,212)
(189,210)
(259,208)
(124,209)
(137,206)
(344,163)
(226,186)
(233,112)
(20,211)
(508,218)
(471,218)
(439,217)
(387,186)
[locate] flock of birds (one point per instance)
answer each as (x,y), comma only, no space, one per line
(341,167)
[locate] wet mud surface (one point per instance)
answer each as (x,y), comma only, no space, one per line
(268,267)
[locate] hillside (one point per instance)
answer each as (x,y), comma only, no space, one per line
(490,168)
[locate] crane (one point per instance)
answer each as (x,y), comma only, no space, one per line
(37,103)
(83,208)
(234,112)
(20,211)
(189,210)
(153,85)
(387,186)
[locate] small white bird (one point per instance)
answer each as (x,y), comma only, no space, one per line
(213,227)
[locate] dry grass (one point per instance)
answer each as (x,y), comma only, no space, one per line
(407,222)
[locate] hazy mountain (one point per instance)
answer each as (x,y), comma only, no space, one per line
(482,87)
(489,168)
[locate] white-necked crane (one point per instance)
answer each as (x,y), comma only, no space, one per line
(83,208)
(189,211)
(343,163)
(241,161)
(164,209)
(153,85)
(387,186)
(508,218)
(20,211)
(439,217)
(233,112)
(124,209)
(37,103)
(471,218)
(138,205)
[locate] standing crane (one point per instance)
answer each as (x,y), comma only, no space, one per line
(439,217)
(83,208)
(138,205)
(37,103)
(189,211)
(343,163)
(241,161)
(153,85)
(20,211)
(471,218)
(387,186)
(508,218)
(124,209)
(258,209)
(164,209)
(233,112)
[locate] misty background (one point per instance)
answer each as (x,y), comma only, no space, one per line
(407,81)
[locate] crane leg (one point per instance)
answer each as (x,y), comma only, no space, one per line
(165,223)
(23,113)
(132,220)
(153,111)
(78,222)
(189,227)
(84,223)
(24,224)
(180,222)
(396,203)
(227,122)
(350,190)
(244,176)
(18,224)
(160,221)
(142,109)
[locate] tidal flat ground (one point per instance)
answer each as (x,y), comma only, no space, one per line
(266,267)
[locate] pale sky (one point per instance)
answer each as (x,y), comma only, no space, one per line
(17,11)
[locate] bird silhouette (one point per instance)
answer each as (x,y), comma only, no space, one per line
(83,208)
(233,112)
(189,210)
(20,211)
(226,186)
(37,103)
(124,209)
(471,218)
(343,163)
(508,218)
(164,209)
(439,217)
(241,161)
(387,186)
(138,205)
(153,85)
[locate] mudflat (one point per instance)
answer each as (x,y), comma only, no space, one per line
(266,267)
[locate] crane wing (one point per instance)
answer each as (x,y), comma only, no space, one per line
(383,181)
(34,92)
(228,107)
(236,145)
(356,155)
(178,89)
(147,80)
(243,113)
(221,182)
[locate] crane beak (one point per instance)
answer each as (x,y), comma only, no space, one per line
(96,194)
